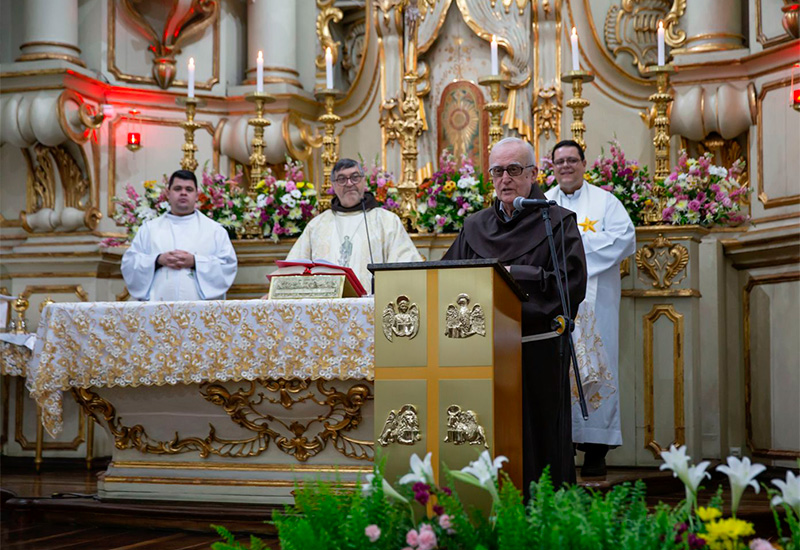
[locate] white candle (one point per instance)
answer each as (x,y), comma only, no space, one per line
(495,63)
(328,68)
(661,43)
(576,66)
(191,77)
(260,72)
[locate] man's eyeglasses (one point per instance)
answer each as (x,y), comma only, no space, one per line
(512,169)
(355,179)
(572,161)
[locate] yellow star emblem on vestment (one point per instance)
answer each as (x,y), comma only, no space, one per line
(588,225)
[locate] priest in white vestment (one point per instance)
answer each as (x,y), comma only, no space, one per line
(181,255)
(356,231)
(608,238)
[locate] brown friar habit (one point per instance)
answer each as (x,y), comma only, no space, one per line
(522,244)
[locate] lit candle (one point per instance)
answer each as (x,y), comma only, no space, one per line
(191,77)
(495,62)
(661,43)
(576,66)
(328,68)
(260,72)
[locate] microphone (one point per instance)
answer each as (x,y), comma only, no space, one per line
(369,243)
(521,203)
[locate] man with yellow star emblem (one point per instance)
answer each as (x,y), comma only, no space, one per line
(608,238)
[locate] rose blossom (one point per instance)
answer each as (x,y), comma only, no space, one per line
(372,532)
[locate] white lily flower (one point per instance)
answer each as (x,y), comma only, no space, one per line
(421,471)
(694,476)
(676,460)
(482,473)
(741,473)
(790,492)
(388,490)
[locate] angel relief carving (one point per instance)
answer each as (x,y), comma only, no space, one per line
(463,321)
(401,427)
(402,322)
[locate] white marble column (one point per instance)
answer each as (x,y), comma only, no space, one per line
(51,31)
(271,26)
(711,27)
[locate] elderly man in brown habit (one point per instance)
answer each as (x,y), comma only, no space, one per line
(518,240)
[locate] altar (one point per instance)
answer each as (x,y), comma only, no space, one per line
(220,401)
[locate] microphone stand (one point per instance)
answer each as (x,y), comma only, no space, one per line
(563,294)
(369,244)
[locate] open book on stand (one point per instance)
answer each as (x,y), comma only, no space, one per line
(313,279)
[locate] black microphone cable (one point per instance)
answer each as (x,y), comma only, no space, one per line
(369,243)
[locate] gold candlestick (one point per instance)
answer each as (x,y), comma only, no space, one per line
(662,99)
(330,144)
(495,107)
(258,161)
(578,103)
(189,162)
(408,127)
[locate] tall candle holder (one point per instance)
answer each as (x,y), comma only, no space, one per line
(408,126)
(495,107)
(258,161)
(578,103)
(189,148)
(330,143)
(661,99)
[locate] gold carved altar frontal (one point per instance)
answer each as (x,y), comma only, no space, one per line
(106,344)
(447,368)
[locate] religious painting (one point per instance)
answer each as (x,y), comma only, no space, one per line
(463,125)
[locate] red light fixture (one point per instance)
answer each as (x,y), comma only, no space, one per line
(795,93)
(134,142)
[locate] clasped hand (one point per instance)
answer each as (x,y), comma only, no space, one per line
(176,259)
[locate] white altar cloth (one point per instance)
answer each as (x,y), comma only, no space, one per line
(106,344)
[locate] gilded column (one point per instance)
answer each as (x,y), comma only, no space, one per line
(50,31)
(711,27)
(271,26)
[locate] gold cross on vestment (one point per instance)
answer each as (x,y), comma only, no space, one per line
(588,225)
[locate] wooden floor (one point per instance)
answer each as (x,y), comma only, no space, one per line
(58,509)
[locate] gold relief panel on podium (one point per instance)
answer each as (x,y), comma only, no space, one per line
(465,299)
(401,306)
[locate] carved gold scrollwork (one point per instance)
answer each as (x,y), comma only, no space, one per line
(401,427)
(178,29)
(402,322)
(463,427)
(463,321)
(661,262)
(547,111)
(327,13)
(41,185)
(343,414)
(76,184)
(631,27)
(625,268)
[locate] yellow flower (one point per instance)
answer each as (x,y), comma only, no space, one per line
(261,184)
(149,184)
(540,178)
(634,167)
(708,514)
(300,184)
(586,176)
(722,534)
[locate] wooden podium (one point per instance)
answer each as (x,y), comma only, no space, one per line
(448,378)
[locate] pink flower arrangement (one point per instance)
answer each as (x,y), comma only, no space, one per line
(381,184)
(134,209)
(284,207)
(424,539)
(699,192)
(450,195)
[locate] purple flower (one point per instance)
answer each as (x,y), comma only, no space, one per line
(694,205)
